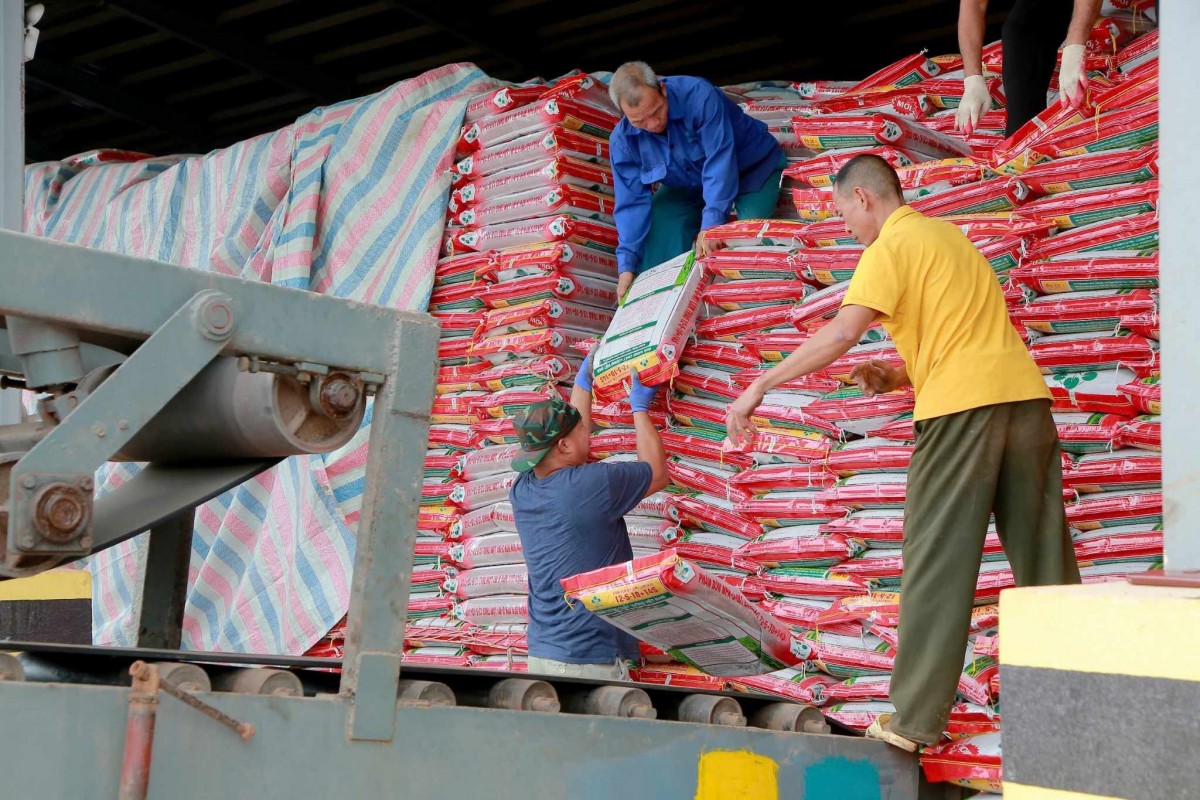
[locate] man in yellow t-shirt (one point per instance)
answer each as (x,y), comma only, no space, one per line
(986,441)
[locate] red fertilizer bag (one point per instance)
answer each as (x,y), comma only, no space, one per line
(698,477)
(836,132)
(793,684)
(534,371)
(1125,128)
(1088,273)
(496,549)
(538,117)
(754,263)
(596,292)
(867,456)
(857,413)
(819,171)
(549,259)
(702,444)
(563,228)
(876,490)
(1138,233)
(1118,470)
(1083,312)
(1111,509)
(782,477)
(1145,432)
(558,199)
(714,513)
(742,294)
(543,314)
(1086,206)
(795,507)
(494,610)
(909,103)
(488,461)
(1081,352)
(456,297)
(538,146)
(456,324)
(488,581)
(726,356)
(857,690)
(716,552)
(800,546)
(973,762)
(1087,433)
(540,177)
(1092,171)
(1001,193)
(1146,395)
(679,608)
(491,519)
(1123,543)
(732,325)
(910,70)
(543,341)
(477,494)
(819,305)
(460,268)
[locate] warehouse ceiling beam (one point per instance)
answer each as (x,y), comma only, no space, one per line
(254,56)
(91,91)
(467,32)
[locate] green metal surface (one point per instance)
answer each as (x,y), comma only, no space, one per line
(90,289)
(388,529)
(300,750)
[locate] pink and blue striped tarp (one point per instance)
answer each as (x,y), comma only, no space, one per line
(350,201)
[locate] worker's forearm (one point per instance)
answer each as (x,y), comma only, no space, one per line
(582,400)
(822,349)
(650,449)
(972,15)
(1083,19)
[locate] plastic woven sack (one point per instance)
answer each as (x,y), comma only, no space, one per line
(1111,509)
(973,762)
(794,684)
(1092,392)
(1145,432)
(836,132)
(1088,433)
(1092,171)
(540,176)
(496,549)
(800,546)
(1060,275)
(484,521)
(494,610)
(1079,352)
(696,618)
(649,329)
(1088,206)
(543,230)
(1146,394)
(867,456)
(1083,312)
(557,142)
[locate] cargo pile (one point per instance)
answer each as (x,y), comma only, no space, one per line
(806,523)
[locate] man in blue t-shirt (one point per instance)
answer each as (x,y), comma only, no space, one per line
(570,517)
(706,157)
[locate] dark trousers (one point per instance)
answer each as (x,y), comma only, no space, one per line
(1002,459)
(1031,36)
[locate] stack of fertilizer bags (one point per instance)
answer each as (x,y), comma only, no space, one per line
(529,274)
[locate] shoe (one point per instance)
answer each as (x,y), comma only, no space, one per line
(879,730)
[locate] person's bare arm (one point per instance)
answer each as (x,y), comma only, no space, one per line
(817,352)
(972,20)
(650,449)
(1083,19)
(582,400)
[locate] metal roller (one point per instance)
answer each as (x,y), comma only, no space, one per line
(258,681)
(432,693)
(189,677)
(514,694)
(611,701)
(793,717)
(708,709)
(229,413)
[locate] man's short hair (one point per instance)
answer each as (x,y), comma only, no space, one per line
(869,172)
(627,82)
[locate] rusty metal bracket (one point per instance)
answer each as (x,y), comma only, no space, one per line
(51,485)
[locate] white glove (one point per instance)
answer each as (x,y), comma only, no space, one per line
(1072,79)
(976,101)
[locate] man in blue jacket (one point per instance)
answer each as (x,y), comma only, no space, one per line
(707,158)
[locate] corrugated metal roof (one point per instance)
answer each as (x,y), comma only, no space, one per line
(165,77)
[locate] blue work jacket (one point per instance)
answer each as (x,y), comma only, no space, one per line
(709,146)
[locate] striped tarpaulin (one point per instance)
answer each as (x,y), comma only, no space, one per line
(349,200)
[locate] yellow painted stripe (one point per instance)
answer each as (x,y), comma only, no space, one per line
(1111,628)
(737,775)
(59,584)
(1017,791)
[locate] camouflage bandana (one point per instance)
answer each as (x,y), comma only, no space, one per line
(539,426)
